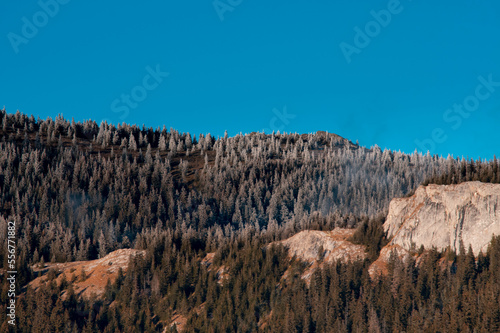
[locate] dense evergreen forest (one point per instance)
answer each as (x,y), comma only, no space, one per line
(78,191)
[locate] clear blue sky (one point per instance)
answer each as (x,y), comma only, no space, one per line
(231,73)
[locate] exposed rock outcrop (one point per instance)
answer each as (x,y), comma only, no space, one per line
(222,272)
(380,266)
(306,246)
(88,277)
(445,215)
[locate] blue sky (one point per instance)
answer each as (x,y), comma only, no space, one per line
(244,66)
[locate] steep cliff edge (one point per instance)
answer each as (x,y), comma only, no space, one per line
(445,215)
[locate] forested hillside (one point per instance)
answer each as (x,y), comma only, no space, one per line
(81,190)
(78,191)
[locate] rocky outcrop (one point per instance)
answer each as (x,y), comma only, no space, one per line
(380,266)
(307,245)
(88,278)
(222,272)
(446,215)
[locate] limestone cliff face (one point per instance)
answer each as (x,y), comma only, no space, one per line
(442,215)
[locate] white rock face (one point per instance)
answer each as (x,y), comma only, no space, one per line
(443,215)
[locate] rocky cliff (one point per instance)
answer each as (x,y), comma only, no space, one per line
(445,215)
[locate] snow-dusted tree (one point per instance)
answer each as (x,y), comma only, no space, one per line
(132,145)
(162,145)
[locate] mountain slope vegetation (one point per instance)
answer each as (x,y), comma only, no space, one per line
(79,191)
